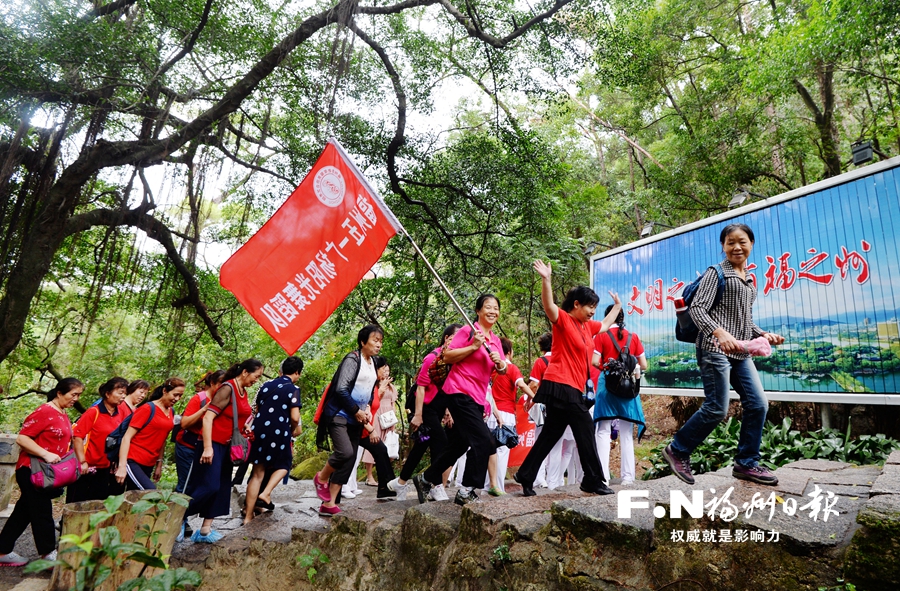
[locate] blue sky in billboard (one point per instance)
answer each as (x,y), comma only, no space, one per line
(825,266)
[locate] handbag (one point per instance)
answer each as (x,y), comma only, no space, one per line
(63,473)
(392,443)
(239,445)
(387,419)
(507,436)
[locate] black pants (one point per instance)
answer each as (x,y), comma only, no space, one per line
(469,431)
(559,416)
(383,469)
(345,436)
(432,418)
(93,486)
(34,507)
(139,477)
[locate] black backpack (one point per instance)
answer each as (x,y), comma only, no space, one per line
(114,439)
(619,373)
(686,330)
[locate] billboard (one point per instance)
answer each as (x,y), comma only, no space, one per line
(825,263)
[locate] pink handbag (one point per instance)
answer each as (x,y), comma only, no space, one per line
(63,473)
(240,447)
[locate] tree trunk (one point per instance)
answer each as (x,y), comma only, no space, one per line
(824,117)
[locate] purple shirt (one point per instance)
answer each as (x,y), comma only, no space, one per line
(472,375)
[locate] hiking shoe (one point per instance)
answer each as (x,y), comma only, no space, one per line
(423,487)
(400,489)
(495,492)
(600,489)
(13,559)
(756,474)
(321,488)
(464,498)
(329,511)
(385,493)
(527,489)
(681,467)
(438,493)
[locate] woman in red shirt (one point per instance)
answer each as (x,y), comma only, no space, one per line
(90,432)
(145,440)
(210,483)
(46,434)
(134,395)
(188,437)
(563,386)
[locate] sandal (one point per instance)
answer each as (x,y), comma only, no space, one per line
(371,483)
(261,504)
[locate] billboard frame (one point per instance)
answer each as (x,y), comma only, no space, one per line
(824,398)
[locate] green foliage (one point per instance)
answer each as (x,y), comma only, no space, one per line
(842,585)
(99,561)
(309,560)
(500,555)
(780,445)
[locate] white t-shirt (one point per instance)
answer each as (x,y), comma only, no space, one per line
(365,383)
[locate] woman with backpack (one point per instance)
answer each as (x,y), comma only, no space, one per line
(724,315)
(89,443)
(345,410)
(210,483)
(141,451)
(46,435)
(563,389)
(426,425)
(609,406)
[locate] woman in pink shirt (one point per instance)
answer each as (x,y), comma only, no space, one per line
(466,388)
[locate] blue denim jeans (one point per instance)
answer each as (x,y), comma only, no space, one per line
(717,372)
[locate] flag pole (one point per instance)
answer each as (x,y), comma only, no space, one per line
(400,228)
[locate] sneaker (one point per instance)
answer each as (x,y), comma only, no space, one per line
(329,511)
(600,489)
(437,493)
(51,556)
(348,494)
(321,488)
(681,467)
(464,498)
(211,538)
(180,536)
(495,492)
(400,489)
(527,489)
(385,493)
(13,559)
(423,487)
(756,474)
(627,482)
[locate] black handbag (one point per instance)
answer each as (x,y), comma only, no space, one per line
(506,435)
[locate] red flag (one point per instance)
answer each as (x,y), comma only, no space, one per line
(297,269)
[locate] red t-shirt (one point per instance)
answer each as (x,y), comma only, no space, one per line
(193,405)
(148,441)
(223,425)
(539,367)
(94,426)
(503,388)
(50,429)
(603,344)
(573,348)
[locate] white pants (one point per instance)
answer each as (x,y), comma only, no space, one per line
(502,453)
(626,447)
(352,485)
(559,459)
(541,478)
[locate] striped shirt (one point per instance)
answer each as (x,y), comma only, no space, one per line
(734,311)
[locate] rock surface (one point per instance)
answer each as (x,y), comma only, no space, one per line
(824,521)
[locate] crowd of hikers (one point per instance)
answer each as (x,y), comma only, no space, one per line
(581,393)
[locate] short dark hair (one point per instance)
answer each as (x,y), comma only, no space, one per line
(479,303)
(378,362)
(167,386)
(734,227)
(63,387)
(291,365)
(507,345)
(449,331)
(545,342)
(210,378)
(111,384)
(582,294)
(367,331)
(136,385)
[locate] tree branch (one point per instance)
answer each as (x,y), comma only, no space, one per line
(108,9)
(475,30)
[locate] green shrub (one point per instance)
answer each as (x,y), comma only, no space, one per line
(780,445)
